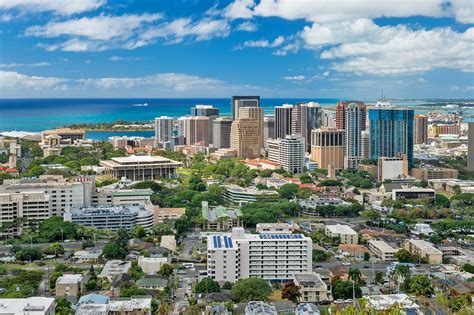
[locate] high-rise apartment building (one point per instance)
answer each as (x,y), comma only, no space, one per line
(391,133)
(421,129)
(243,101)
(365,145)
(305,118)
(354,123)
(329,119)
(27,206)
(268,128)
(327,147)
(470,147)
(197,130)
(341,108)
(245,139)
(283,120)
(64,193)
(206,111)
(273,257)
(163,129)
(221,128)
(255,113)
(288,152)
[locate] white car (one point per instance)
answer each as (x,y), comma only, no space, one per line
(339,301)
(348,301)
(346,263)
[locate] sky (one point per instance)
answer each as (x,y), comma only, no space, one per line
(206,48)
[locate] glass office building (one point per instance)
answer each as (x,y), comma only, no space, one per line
(391,133)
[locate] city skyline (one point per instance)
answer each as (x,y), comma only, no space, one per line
(99,48)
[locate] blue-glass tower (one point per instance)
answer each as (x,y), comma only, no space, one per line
(391,133)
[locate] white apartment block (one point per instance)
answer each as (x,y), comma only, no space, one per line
(382,250)
(34,305)
(275,257)
(312,287)
(289,152)
(346,234)
(64,194)
(31,206)
(280,227)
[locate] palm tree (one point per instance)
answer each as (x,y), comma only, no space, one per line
(355,275)
(401,273)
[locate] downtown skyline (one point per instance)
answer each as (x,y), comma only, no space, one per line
(99,48)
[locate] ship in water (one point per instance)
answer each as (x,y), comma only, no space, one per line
(140,105)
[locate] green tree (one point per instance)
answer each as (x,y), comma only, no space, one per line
(207,285)
(53,278)
(28,254)
(291,292)
(355,275)
(378,277)
(288,191)
(114,251)
(320,255)
(56,229)
(343,289)
(54,249)
(366,256)
(421,285)
(227,285)
(135,271)
(403,255)
(166,270)
(148,184)
(251,289)
(63,306)
(130,289)
(139,231)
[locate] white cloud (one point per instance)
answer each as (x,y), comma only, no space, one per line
(119,58)
(5,18)
(288,48)
(14,80)
(61,7)
(262,43)
(246,26)
(361,46)
(326,73)
(463,11)
(17,65)
(295,78)
(239,9)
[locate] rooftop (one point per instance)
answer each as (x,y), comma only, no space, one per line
(130,304)
(215,213)
(384,302)
(383,246)
(259,307)
(249,190)
(69,279)
(341,229)
(32,305)
(310,278)
(427,247)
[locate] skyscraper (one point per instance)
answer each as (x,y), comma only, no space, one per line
(341,108)
(292,151)
(163,129)
(244,138)
(365,145)
(268,128)
(305,118)
(206,111)
(391,133)
(255,113)
(197,130)
(221,132)
(421,129)
(355,117)
(327,147)
(243,101)
(470,147)
(283,120)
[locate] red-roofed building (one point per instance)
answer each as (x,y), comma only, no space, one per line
(296,181)
(261,164)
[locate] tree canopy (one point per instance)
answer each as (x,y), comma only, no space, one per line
(251,289)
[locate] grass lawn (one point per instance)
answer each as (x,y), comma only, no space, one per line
(276,296)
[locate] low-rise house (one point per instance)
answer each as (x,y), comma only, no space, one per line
(355,251)
(134,305)
(339,271)
(386,302)
(280,227)
(382,250)
(425,250)
(260,308)
(93,303)
(307,309)
(70,286)
(151,265)
(32,306)
(345,233)
(114,268)
(312,287)
(220,218)
(422,229)
(87,256)
(168,242)
(155,283)
(163,214)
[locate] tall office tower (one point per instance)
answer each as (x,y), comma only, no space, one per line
(197,130)
(341,107)
(365,145)
(245,139)
(354,121)
(329,119)
(268,128)
(204,110)
(163,128)
(283,120)
(391,133)
(306,117)
(221,132)
(207,111)
(470,147)
(255,113)
(292,151)
(243,101)
(421,129)
(327,147)
(238,255)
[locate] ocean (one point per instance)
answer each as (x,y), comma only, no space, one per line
(35,115)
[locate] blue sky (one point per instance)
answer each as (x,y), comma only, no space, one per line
(191,48)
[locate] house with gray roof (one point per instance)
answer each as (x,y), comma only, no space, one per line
(220,218)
